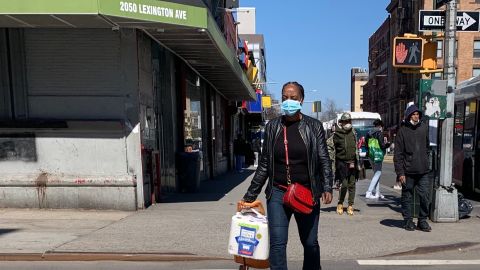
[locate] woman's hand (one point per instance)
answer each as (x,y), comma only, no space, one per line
(241,205)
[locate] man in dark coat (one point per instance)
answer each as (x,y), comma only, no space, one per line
(412,167)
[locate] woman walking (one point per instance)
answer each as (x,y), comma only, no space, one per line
(294,151)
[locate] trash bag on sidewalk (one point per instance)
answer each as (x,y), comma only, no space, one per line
(464,207)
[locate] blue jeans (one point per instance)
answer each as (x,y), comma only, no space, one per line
(278,221)
(375,183)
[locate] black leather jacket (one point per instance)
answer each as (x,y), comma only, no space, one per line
(319,163)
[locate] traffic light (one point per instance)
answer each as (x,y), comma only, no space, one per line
(430,56)
(408,52)
(317,106)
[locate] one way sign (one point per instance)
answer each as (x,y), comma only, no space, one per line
(434,20)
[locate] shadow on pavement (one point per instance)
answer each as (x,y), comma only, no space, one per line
(211,189)
(7,231)
(390,201)
(329,209)
(398,223)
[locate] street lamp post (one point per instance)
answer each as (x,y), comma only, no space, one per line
(446,201)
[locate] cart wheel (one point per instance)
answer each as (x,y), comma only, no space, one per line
(243,267)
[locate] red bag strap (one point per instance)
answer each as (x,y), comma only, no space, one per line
(285,142)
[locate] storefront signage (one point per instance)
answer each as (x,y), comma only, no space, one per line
(48,7)
(156,11)
(142,10)
(153,10)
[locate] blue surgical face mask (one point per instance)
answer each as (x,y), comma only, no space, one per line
(290,107)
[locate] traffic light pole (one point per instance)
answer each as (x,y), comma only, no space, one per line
(446,201)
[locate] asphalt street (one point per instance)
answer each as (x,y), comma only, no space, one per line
(217,265)
(192,229)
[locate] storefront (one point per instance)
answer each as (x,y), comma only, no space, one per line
(98,96)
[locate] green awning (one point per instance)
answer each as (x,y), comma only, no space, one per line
(189,31)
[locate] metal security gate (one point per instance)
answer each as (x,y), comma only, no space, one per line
(73,74)
(165,104)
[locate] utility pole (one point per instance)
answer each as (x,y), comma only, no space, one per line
(445,200)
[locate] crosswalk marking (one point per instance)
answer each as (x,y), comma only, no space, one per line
(418,262)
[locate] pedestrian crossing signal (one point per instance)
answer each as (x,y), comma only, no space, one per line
(408,52)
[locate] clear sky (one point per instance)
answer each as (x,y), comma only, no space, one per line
(316,43)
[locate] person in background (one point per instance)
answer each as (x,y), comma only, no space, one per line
(188,148)
(346,161)
(331,154)
(373,191)
(239,152)
(309,165)
(256,147)
(412,167)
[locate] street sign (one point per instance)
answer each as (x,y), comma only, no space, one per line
(317,106)
(439,3)
(407,52)
(434,20)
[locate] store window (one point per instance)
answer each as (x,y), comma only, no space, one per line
(193,114)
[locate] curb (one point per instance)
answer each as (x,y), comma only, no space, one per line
(433,249)
(105,256)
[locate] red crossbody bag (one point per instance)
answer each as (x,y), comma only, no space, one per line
(297,197)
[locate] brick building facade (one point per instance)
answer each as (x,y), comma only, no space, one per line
(389,89)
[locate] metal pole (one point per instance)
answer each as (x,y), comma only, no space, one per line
(446,200)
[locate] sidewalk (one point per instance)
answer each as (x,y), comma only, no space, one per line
(196,226)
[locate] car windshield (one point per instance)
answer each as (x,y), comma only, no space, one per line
(362,122)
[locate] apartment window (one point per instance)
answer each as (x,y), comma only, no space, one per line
(476,49)
(361,97)
(440,48)
(476,71)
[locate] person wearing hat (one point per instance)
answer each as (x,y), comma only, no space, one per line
(346,161)
(412,167)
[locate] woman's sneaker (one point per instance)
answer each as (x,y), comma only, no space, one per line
(369,195)
(379,196)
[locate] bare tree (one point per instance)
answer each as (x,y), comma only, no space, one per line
(330,110)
